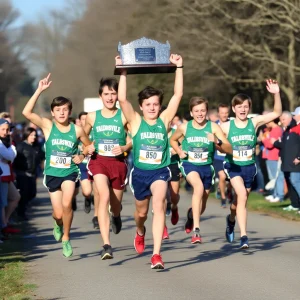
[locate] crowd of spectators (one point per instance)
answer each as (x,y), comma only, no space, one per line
(21,158)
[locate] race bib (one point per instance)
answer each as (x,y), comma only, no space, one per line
(105,146)
(197,155)
(60,160)
(150,154)
(242,153)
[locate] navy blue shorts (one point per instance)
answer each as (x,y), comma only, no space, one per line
(53,183)
(218,165)
(141,180)
(246,172)
(206,173)
(83,171)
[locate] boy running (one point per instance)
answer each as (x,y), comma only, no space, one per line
(61,171)
(151,154)
(200,138)
(240,167)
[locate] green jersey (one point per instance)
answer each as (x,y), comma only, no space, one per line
(243,141)
(151,146)
(59,148)
(174,158)
(200,150)
(108,133)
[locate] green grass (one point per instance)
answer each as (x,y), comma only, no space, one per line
(257,202)
(12,272)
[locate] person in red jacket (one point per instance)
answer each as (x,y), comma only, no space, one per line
(271,154)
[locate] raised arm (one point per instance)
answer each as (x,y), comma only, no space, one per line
(168,114)
(217,136)
(129,113)
(28,113)
(273,88)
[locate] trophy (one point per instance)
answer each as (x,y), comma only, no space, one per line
(145,56)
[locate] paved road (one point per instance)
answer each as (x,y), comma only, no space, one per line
(212,270)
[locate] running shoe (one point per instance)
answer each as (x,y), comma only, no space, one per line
(57,232)
(196,238)
(106,253)
(174,216)
(116,224)
(244,244)
(139,242)
(223,203)
(229,230)
(74,204)
(168,210)
(218,193)
(10,230)
(156,262)
(87,204)
(188,227)
(95,222)
(290,208)
(67,249)
(165,234)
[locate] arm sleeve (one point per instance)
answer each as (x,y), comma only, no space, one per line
(8,153)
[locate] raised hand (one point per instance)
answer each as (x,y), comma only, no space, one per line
(77,159)
(182,154)
(211,137)
(272,86)
(176,60)
(44,83)
(118,60)
(117,150)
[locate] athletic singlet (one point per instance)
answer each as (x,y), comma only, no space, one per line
(243,141)
(59,148)
(174,158)
(108,133)
(150,146)
(199,149)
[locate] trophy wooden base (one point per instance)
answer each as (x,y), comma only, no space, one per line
(145,69)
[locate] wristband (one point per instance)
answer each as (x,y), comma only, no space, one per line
(83,154)
(219,143)
(181,67)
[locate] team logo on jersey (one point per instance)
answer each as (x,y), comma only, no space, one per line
(62,144)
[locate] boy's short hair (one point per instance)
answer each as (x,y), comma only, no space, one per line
(110,82)
(4,115)
(148,92)
(239,99)
(59,101)
(196,101)
(83,113)
(222,105)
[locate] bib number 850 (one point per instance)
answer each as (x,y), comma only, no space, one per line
(151,155)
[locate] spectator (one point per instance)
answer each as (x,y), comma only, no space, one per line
(25,166)
(10,195)
(289,146)
(271,154)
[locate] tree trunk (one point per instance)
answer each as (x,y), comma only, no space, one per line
(2,101)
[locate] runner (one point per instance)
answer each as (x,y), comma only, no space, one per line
(240,166)
(200,138)
(61,171)
(151,154)
(107,165)
(223,113)
(86,185)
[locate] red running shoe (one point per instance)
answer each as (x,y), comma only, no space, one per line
(9,230)
(156,262)
(139,242)
(165,234)
(174,216)
(196,238)
(189,224)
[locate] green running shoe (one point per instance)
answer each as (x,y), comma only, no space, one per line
(57,232)
(67,248)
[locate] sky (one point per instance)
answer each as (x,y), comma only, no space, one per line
(30,10)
